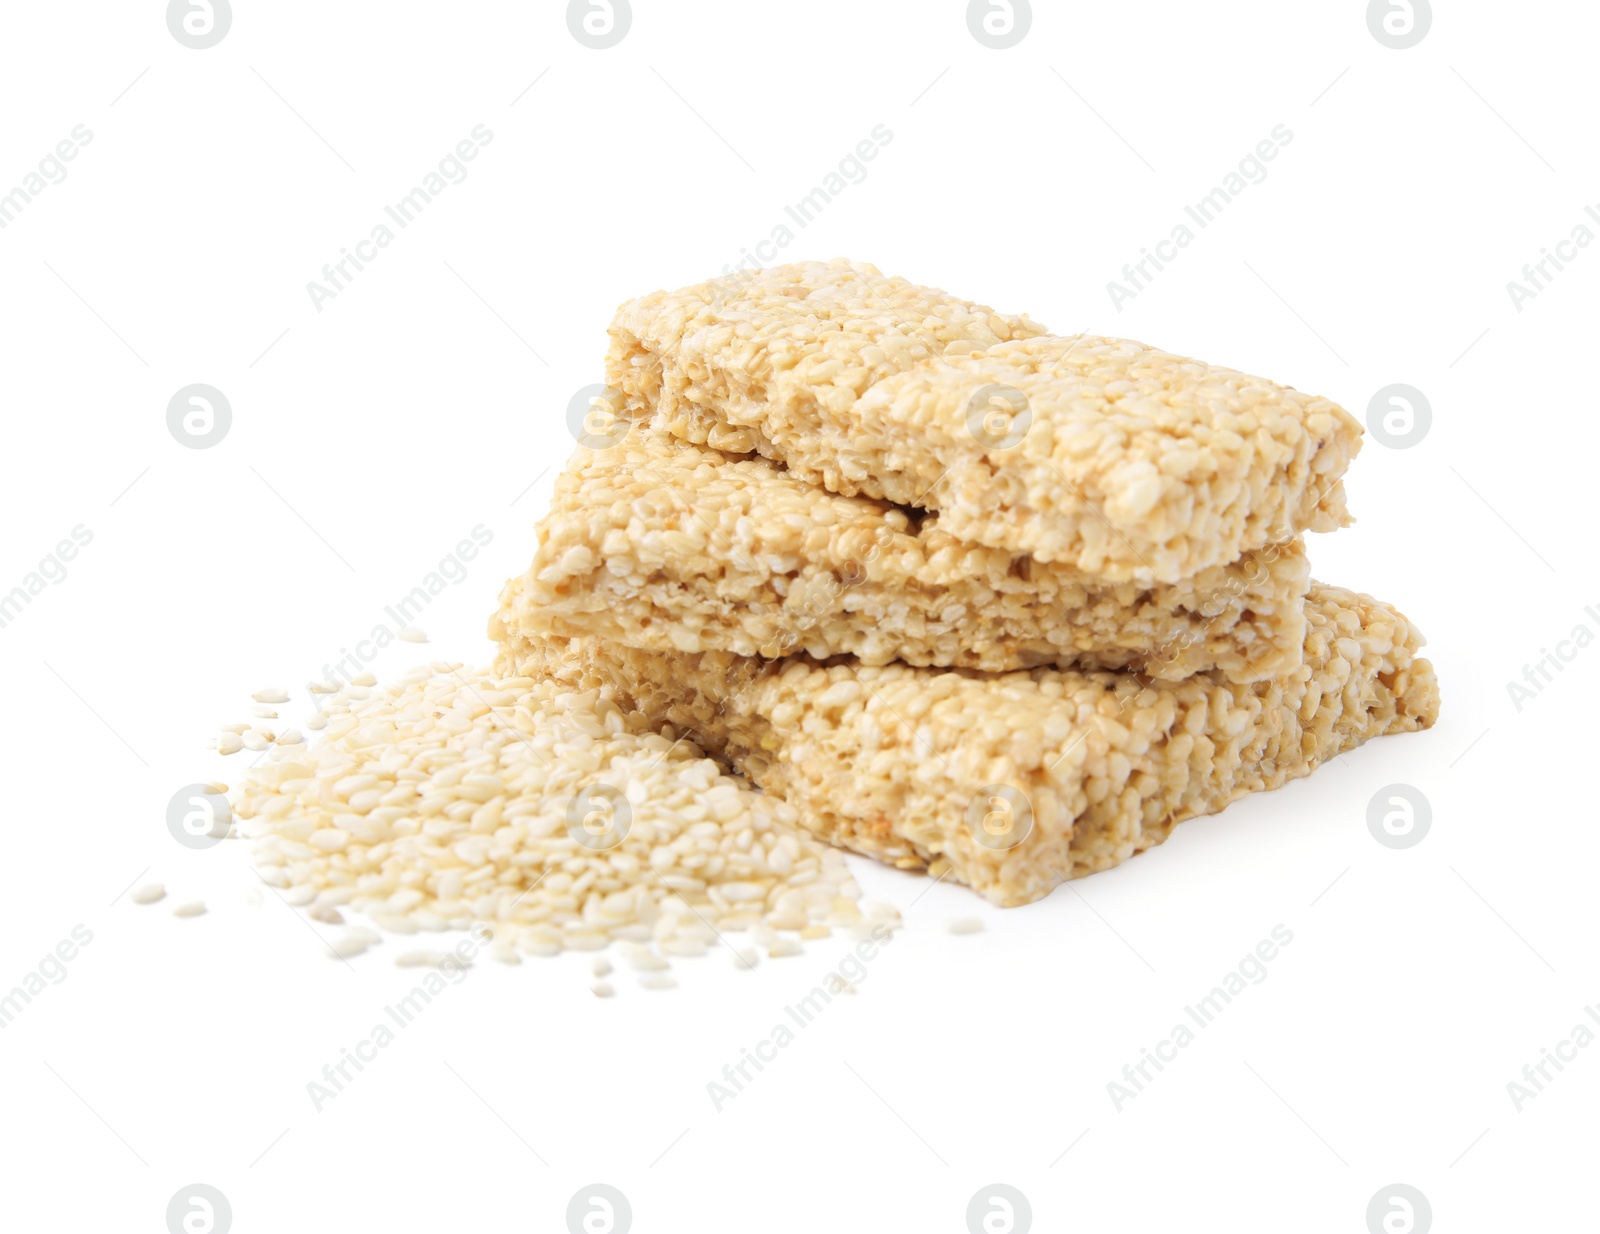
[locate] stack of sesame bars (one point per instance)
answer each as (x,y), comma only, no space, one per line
(974,598)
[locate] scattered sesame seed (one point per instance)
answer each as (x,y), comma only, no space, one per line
(454,797)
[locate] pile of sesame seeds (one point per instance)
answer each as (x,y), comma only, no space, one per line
(542,819)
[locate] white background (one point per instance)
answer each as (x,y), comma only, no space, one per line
(369,437)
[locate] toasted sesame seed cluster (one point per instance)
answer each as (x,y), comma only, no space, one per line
(1121,460)
(663,545)
(1013,782)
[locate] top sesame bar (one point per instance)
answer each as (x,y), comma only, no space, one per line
(1120,460)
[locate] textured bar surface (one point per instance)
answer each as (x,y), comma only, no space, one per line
(1119,459)
(910,765)
(664,545)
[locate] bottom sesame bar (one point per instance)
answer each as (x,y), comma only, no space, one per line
(1012,782)
(668,546)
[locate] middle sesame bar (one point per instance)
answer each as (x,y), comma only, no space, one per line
(1123,460)
(666,546)
(1012,782)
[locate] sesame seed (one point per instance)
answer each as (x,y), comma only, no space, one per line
(452,797)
